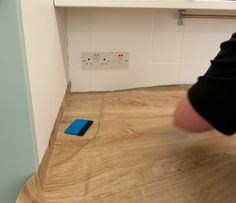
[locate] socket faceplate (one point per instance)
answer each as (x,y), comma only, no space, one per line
(104,60)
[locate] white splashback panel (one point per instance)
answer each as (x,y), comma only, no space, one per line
(160,52)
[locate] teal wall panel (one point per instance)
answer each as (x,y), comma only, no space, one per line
(18,159)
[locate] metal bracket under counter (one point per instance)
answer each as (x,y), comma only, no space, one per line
(183,14)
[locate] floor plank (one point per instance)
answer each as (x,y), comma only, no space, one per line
(133,153)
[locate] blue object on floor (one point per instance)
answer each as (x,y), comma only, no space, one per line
(78,127)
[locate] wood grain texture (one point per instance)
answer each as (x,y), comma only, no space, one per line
(133,153)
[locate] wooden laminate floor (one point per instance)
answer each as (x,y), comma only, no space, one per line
(133,154)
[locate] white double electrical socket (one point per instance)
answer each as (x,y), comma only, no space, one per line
(104,60)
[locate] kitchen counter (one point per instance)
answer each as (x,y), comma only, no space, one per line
(172,4)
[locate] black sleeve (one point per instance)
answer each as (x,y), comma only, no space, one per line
(214,94)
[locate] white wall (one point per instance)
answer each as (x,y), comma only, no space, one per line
(45,65)
(160,51)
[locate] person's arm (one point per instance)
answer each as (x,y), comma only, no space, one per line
(211,101)
(188,119)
